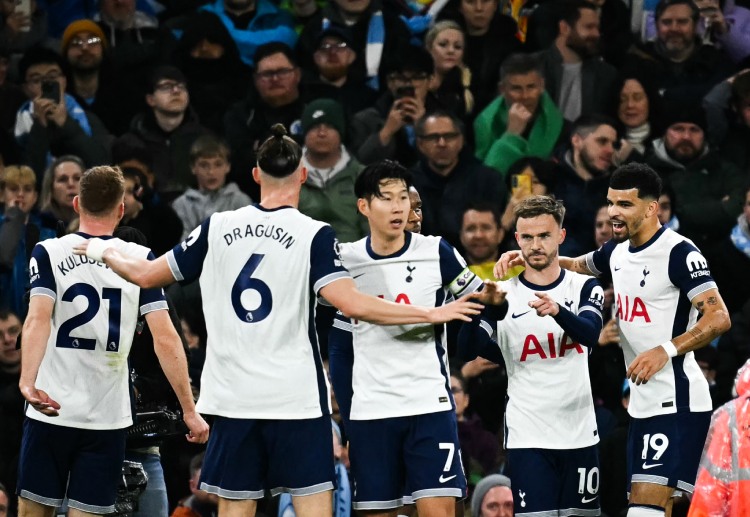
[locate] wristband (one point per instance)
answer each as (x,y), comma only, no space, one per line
(669,348)
(96,248)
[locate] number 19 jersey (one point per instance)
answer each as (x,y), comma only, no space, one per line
(85,366)
(260,271)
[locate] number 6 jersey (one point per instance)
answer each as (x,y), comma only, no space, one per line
(85,366)
(260,271)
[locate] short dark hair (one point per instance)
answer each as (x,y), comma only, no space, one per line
(439,113)
(412,58)
(279,155)
(638,176)
(274,47)
(40,56)
(570,10)
(102,189)
(520,64)
(534,206)
(5,314)
(368,182)
(484,206)
(587,124)
(664,4)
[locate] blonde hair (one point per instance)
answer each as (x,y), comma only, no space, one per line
(429,40)
(18,175)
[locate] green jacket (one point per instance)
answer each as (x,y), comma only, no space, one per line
(499,150)
(332,200)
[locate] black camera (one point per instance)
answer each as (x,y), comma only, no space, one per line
(151,427)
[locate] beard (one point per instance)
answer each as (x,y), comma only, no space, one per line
(683,152)
(584,47)
(589,163)
(539,266)
(334,72)
(239,4)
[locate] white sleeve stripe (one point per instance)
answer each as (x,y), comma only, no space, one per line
(321,283)
(161,305)
(590,308)
(700,289)
(590,264)
(343,325)
(486,327)
(43,291)
(173,267)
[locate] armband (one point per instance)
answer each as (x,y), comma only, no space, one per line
(669,348)
(97,247)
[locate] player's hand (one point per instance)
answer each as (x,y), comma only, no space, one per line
(646,365)
(545,305)
(477,367)
(609,333)
(39,400)
(508,260)
(462,309)
(197,428)
(491,294)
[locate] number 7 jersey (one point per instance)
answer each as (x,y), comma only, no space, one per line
(85,366)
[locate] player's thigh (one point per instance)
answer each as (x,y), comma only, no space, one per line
(96,471)
(436,506)
(665,450)
(237,508)
(314,505)
(536,480)
(432,455)
(377,463)
(29,508)
(579,491)
(235,464)
(300,456)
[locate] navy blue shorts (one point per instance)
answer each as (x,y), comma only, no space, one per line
(246,456)
(666,449)
(552,482)
(88,462)
(417,456)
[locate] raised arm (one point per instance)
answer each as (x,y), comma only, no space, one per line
(168,348)
(139,271)
(343,294)
(713,323)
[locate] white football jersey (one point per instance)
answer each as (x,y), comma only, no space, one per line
(260,271)
(402,370)
(549,404)
(85,366)
(654,285)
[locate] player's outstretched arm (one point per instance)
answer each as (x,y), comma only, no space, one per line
(36,331)
(343,294)
(713,323)
(168,348)
(141,272)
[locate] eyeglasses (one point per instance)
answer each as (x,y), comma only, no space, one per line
(268,75)
(81,42)
(48,77)
(333,47)
(170,86)
(434,138)
(400,78)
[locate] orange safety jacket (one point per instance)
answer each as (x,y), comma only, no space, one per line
(723,485)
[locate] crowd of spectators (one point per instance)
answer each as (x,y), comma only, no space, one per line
(486,101)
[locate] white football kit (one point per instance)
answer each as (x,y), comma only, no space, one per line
(654,286)
(260,271)
(85,366)
(401,370)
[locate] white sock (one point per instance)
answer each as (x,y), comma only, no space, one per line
(645,511)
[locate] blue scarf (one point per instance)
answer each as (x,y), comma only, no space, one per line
(740,236)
